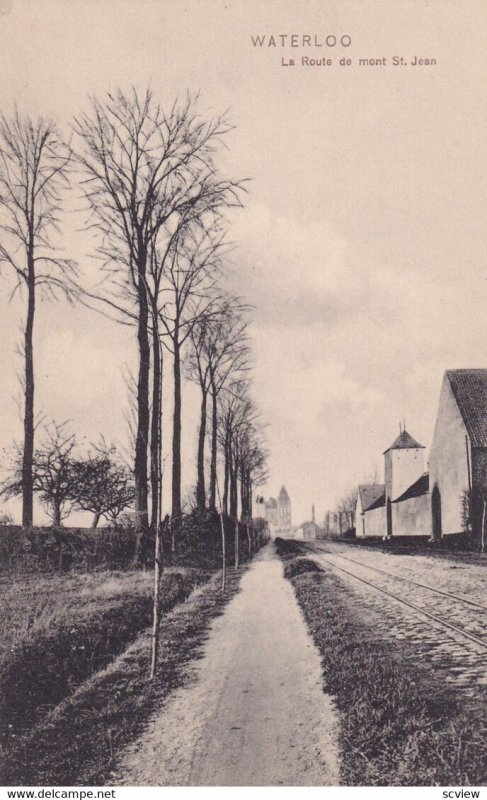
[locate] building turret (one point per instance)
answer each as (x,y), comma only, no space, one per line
(403,465)
(284,525)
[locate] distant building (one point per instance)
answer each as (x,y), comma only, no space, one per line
(271,514)
(331,524)
(276,512)
(370,496)
(309,529)
(399,506)
(259,507)
(284,523)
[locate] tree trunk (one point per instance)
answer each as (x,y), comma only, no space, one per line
(233,491)
(142,436)
(56,516)
(243,503)
(224,553)
(96,519)
(226,480)
(249,539)
(176,442)
(482,532)
(200,482)
(214,426)
(237,544)
(155,605)
(156,427)
(28,454)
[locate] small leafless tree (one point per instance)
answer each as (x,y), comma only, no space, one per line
(34,164)
(346,510)
(102,484)
(239,438)
(54,477)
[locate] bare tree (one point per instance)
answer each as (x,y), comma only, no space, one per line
(218,351)
(346,510)
(54,477)
(102,484)
(229,364)
(188,295)
(253,469)
(229,412)
(198,370)
(143,167)
(34,165)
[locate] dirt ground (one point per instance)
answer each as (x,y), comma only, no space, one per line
(255,713)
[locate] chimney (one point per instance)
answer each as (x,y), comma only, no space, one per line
(313,513)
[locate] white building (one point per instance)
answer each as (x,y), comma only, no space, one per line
(458,458)
(451,495)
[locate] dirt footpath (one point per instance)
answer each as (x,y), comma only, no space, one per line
(255,713)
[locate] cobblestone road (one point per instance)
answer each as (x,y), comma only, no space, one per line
(462,662)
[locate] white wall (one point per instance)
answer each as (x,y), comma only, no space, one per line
(407,467)
(375,522)
(448,460)
(412,517)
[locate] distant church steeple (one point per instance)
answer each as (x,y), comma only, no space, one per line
(284,526)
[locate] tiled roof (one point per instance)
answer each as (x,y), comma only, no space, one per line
(469,387)
(381,501)
(419,487)
(369,493)
(404,442)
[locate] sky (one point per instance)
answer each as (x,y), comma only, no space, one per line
(361,242)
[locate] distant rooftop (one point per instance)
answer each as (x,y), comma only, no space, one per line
(404,442)
(369,494)
(381,501)
(308,522)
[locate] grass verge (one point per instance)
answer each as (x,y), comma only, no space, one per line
(399,725)
(77,743)
(60,631)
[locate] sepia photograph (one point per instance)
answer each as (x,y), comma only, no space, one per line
(243,394)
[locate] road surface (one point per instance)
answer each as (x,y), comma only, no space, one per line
(255,713)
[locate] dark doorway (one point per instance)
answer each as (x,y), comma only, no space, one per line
(389,517)
(436,513)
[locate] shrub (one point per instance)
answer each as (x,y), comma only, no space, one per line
(287,548)
(299,566)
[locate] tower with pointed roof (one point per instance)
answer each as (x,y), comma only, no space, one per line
(284,524)
(403,465)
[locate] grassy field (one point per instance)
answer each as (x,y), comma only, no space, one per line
(58,631)
(78,741)
(399,724)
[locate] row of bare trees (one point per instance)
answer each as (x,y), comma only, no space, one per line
(156,206)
